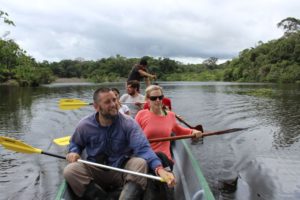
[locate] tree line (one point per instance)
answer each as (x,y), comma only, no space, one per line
(274,61)
(118,67)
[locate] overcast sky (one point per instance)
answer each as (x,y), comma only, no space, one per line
(186,30)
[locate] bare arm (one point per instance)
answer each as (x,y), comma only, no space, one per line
(143,73)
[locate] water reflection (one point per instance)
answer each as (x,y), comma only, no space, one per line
(15,105)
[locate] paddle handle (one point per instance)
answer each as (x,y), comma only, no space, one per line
(121,170)
(184,122)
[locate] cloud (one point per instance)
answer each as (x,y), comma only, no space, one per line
(191,30)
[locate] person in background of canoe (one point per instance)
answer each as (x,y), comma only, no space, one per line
(133,98)
(140,71)
(122,108)
(158,123)
(113,139)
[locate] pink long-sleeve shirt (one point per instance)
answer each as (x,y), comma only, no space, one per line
(155,126)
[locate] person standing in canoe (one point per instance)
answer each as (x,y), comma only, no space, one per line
(114,139)
(140,71)
(158,123)
(133,98)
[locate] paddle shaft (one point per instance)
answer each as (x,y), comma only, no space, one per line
(184,122)
(209,133)
(107,167)
(171,138)
(53,155)
(121,170)
(198,127)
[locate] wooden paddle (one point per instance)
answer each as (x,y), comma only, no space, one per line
(63,141)
(198,127)
(205,134)
(21,147)
(74,104)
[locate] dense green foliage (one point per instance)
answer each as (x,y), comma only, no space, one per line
(115,68)
(106,69)
(16,65)
(275,61)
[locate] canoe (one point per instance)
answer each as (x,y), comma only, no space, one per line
(191,184)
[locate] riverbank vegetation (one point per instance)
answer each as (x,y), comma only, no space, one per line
(274,61)
(118,67)
(16,66)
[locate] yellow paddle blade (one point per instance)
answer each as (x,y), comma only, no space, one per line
(17,145)
(70,107)
(71,104)
(63,141)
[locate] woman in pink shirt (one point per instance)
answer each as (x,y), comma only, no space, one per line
(159,123)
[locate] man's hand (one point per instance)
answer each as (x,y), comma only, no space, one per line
(167,176)
(72,157)
(153,76)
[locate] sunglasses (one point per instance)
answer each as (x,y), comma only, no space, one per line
(153,98)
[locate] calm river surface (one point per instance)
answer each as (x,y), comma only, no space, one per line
(262,162)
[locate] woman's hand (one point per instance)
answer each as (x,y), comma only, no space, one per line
(197,133)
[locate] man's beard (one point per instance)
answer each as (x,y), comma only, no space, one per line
(108,116)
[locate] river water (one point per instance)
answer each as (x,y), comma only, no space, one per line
(261,162)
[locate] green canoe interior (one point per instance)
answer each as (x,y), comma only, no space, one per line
(191,184)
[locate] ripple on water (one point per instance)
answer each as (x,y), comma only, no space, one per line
(272,177)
